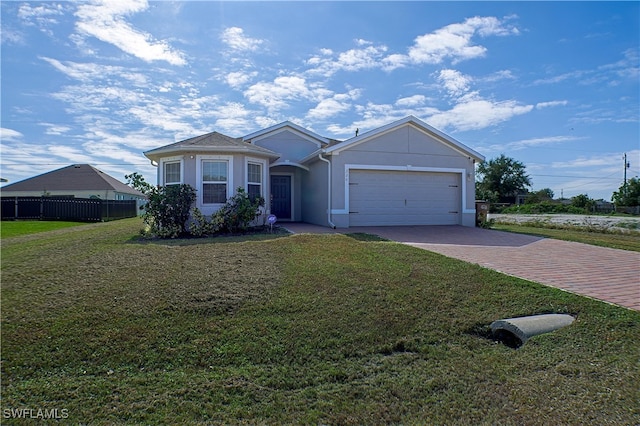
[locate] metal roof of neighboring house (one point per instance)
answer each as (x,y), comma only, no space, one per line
(213,142)
(77,177)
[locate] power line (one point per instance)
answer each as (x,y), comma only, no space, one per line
(577,177)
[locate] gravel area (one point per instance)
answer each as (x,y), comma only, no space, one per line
(605,222)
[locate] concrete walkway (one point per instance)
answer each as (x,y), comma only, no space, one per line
(605,274)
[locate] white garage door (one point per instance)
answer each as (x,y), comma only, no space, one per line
(379,198)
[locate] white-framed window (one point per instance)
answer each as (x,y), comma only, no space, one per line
(214,175)
(254,180)
(256,177)
(172,171)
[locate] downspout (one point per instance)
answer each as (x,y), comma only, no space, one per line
(328,190)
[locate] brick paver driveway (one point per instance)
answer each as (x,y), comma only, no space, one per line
(602,273)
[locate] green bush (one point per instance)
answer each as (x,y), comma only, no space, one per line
(545,207)
(167,211)
(237,213)
(200,226)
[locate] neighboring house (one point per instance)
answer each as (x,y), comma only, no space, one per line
(75,181)
(404,173)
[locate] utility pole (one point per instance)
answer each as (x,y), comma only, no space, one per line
(626,166)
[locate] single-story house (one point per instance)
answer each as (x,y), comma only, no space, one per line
(403,173)
(74,181)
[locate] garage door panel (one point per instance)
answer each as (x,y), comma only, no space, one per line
(403,198)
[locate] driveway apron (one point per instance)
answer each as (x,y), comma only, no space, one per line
(602,273)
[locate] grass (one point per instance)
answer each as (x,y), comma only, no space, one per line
(623,241)
(303,329)
(10,229)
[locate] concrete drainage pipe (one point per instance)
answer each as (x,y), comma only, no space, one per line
(516,331)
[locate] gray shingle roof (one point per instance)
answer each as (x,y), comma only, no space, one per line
(77,177)
(213,141)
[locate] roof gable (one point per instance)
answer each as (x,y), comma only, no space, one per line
(407,121)
(211,142)
(77,177)
(284,126)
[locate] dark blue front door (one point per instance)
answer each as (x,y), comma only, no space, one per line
(281,196)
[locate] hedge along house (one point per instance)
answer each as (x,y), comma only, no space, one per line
(404,173)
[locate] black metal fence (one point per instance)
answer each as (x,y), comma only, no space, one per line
(71,209)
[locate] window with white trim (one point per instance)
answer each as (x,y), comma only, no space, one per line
(214,181)
(254,180)
(172,174)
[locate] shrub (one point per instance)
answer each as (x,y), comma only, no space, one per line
(168,210)
(237,213)
(544,207)
(199,226)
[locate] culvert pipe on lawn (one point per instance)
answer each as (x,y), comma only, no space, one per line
(516,331)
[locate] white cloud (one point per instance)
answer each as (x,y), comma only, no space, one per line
(499,75)
(357,59)
(55,129)
(531,143)
(42,15)
(613,74)
(455,41)
(330,107)
(541,105)
(70,154)
(327,108)
(92,71)
(470,113)
(104,20)
(234,38)
(10,36)
(558,78)
(9,135)
(411,101)
(274,95)
(614,160)
(474,113)
(368,57)
(377,115)
(394,61)
(628,68)
(238,79)
(456,83)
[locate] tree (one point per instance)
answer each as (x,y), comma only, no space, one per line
(629,194)
(545,194)
(582,201)
(136,181)
(502,179)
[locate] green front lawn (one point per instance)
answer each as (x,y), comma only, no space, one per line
(10,228)
(303,329)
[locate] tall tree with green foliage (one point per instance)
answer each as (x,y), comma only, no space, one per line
(540,196)
(582,201)
(136,181)
(501,179)
(629,194)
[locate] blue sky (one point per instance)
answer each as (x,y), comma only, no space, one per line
(554,85)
